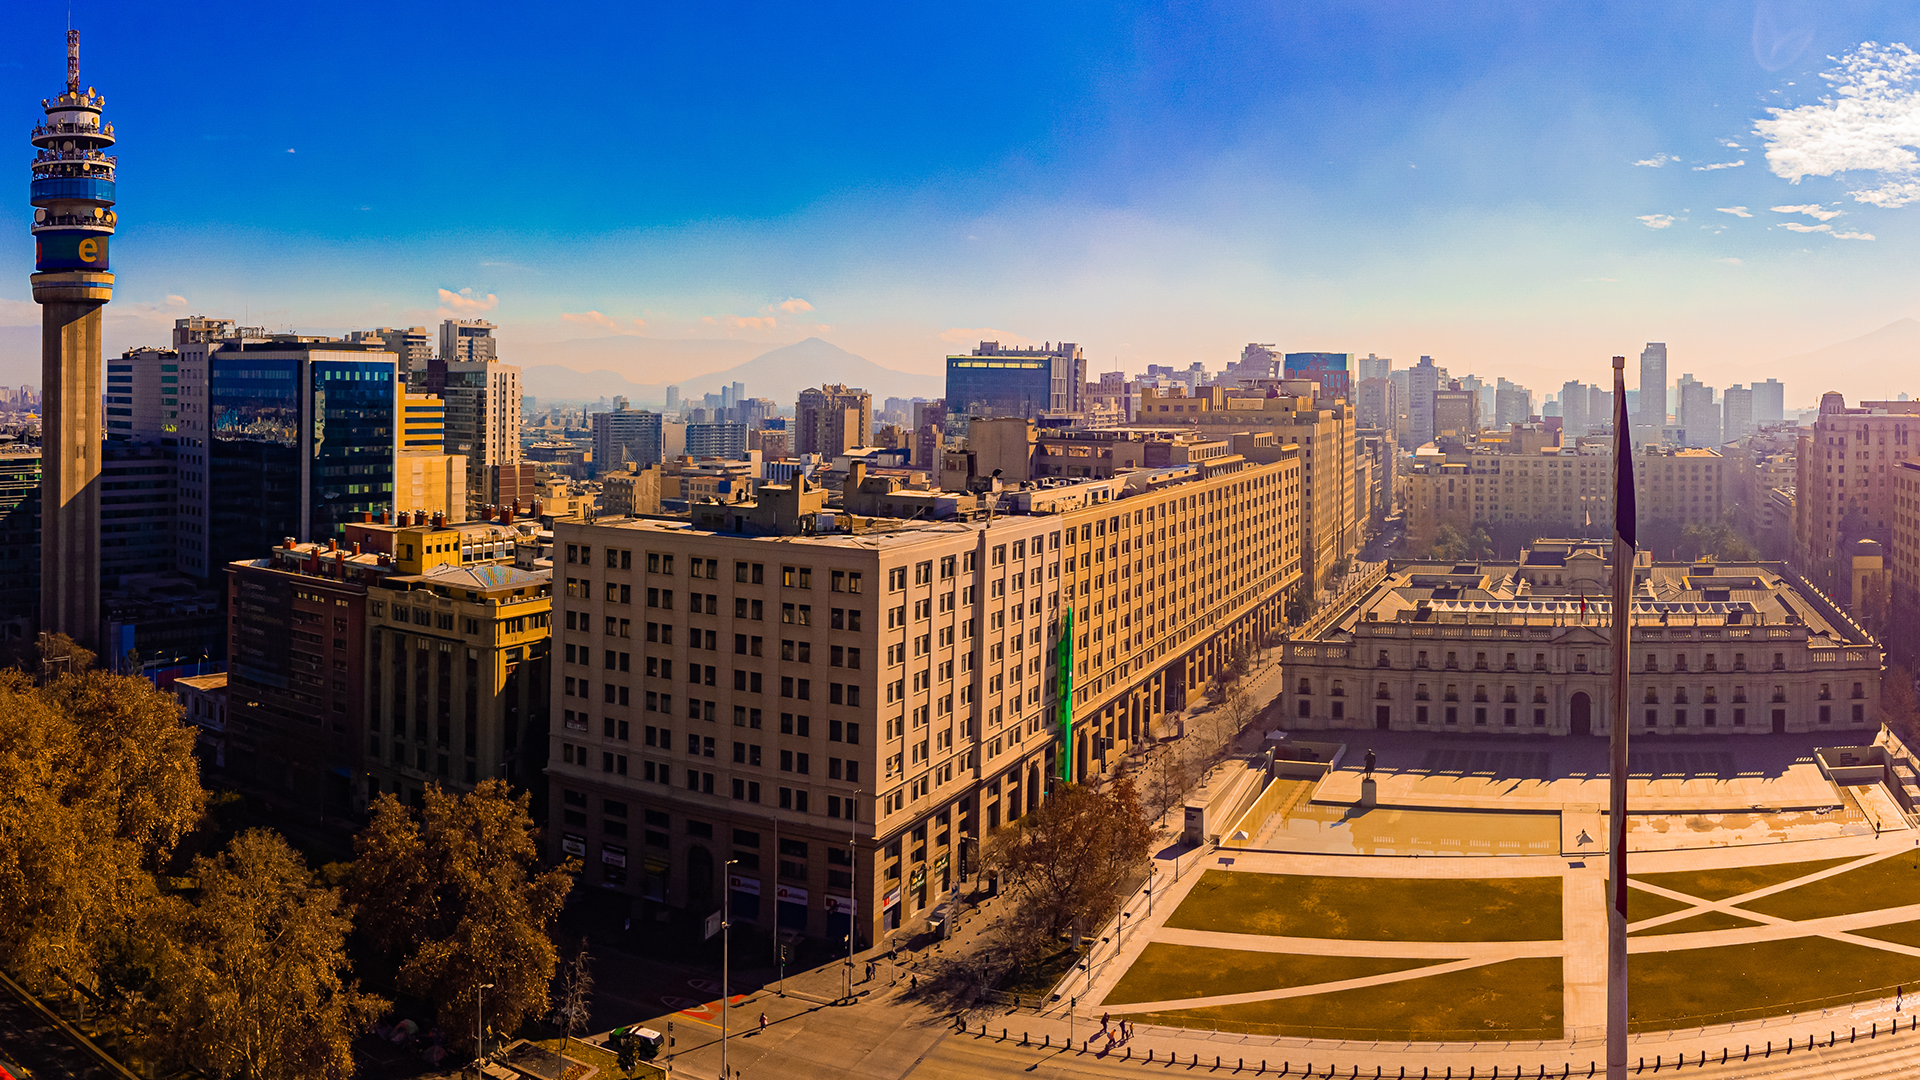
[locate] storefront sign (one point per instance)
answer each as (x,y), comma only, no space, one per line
(893,897)
(842,905)
(573,845)
(790,894)
(750,886)
(613,855)
(917,878)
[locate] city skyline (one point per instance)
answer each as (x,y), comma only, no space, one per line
(1568,178)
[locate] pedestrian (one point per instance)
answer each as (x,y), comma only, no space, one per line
(914,983)
(1103,1020)
(763,1023)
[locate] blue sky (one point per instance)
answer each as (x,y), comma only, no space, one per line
(1161,183)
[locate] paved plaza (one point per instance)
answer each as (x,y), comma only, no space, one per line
(1457,922)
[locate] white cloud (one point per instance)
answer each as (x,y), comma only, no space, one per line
(959,335)
(1730,261)
(1655,161)
(1720,165)
(751,322)
(289,149)
(1736,211)
(795,305)
(176,300)
(1812,210)
(604,322)
(1796,226)
(466,302)
(1731,145)
(1871,124)
(1853,236)
(1656,221)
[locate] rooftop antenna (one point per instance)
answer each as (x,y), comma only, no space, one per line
(73,56)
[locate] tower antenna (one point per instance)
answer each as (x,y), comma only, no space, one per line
(73,58)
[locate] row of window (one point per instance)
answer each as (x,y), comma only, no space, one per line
(1711,661)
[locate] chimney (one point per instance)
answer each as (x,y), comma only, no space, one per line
(332,545)
(516,506)
(382,518)
(365,517)
(534,510)
(356,547)
(439,519)
(856,475)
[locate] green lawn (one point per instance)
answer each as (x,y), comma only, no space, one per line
(1706,920)
(1169,972)
(1720,884)
(1373,909)
(1642,904)
(1891,882)
(605,1060)
(1696,987)
(1519,999)
(1904,933)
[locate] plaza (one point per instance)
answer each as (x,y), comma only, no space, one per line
(1458,895)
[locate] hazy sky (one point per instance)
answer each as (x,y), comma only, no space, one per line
(1518,189)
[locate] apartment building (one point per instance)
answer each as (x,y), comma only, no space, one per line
(1844,492)
(1522,648)
(843,705)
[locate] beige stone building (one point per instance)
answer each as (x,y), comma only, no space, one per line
(1523,648)
(456,685)
(844,705)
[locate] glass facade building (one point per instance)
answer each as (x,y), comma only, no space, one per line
(300,444)
(1333,371)
(999,386)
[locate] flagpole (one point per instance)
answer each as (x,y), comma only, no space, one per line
(1624,536)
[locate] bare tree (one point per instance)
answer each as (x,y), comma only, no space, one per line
(576,992)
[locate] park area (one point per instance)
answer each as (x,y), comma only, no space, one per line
(1404,948)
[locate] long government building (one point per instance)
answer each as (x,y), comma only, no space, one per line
(842,699)
(1523,648)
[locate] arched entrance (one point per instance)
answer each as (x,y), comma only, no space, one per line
(699,879)
(1582,714)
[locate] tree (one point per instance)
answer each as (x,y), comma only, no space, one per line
(1898,709)
(258,985)
(1448,544)
(454,897)
(576,990)
(1068,860)
(100,785)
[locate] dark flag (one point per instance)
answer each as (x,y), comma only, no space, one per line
(1625,515)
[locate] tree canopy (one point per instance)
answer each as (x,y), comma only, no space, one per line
(454,896)
(1068,860)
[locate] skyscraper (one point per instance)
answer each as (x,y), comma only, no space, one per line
(1698,416)
(1769,403)
(1423,381)
(483,424)
(624,435)
(72,192)
(1573,412)
(1512,403)
(1373,367)
(1653,389)
(1736,413)
(1333,371)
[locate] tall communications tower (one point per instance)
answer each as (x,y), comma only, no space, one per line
(72,221)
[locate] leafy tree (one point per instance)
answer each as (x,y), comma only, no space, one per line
(1068,860)
(1448,544)
(1898,708)
(455,898)
(100,785)
(258,985)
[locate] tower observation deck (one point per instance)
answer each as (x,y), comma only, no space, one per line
(73,219)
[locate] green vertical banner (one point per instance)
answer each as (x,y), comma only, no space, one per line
(1064,663)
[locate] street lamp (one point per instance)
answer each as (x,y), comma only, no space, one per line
(480,1029)
(726,938)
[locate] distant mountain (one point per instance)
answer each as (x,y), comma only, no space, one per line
(1872,367)
(780,374)
(640,360)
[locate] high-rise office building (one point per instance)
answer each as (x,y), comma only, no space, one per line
(1573,412)
(624,435)
(1512,404)
(997,381)
(673,399)
(1699,417)
(413,345)
(1834,509)
(1769,403)
(832,419)
(1423,382)
(1377,406)
(483,425)
(1456,410)
(1736,413)
(72,192)
(467,341)
(19,538)
(1333,371)
(300,440)
(1652,415)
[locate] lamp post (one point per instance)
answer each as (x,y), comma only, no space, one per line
(726,939)
(480,1029)
(853,820)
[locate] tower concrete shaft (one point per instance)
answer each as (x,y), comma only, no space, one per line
(73,219)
